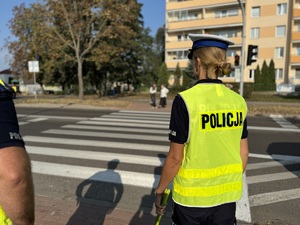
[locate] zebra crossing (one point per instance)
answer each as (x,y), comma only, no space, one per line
(136,138)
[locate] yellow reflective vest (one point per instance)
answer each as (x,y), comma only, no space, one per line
(211,170)
(4,220)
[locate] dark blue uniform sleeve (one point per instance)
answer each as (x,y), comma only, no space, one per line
(9,127)
(179,123)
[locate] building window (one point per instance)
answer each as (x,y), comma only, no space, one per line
(227,33)
(280,31)
(182,15)
(297,76)
(251,74)
(281,9)
(279,74)
(279,52)
(179,38)
(255,12)
(175,55)
(226,13)
(298,50)
(254,32)
(231,53)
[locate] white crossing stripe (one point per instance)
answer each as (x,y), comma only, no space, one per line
(262,165)
(37,119)
(273,197)
(274,129)
(273,177)
(23,123)
(97,174)
(122,124)
(145,112)
(276,157)
(282,121)
(109,128)
(140,115)
(108,135)
(101,144)
(133,121)
(132,117)
(22,116)
(103,156)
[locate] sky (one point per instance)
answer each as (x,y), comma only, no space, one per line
(153,12)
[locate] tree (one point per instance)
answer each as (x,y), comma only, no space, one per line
(153,55)
(187,81)
(264,76)
(76,25)
(272,83)
(177,77)
(29,29)
(159,44)
(102,40)
(257,79)
(120,47)
(163,75)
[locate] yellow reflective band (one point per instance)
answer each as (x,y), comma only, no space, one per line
(1,82)
(210,173)
(220,120)
(207,191)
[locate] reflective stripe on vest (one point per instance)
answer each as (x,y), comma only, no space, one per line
(211,170)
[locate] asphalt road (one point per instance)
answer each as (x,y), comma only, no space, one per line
(70,147)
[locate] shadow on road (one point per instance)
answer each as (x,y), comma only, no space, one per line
(145,214)
(286,153)
(94,190)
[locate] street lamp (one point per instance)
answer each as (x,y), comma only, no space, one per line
(243,50)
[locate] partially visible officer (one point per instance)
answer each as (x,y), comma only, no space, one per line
(208,142)
(16,185)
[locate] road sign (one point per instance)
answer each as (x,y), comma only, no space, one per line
(33,66)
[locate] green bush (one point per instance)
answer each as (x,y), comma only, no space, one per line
(247,89)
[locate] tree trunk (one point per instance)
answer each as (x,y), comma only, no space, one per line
(80,79)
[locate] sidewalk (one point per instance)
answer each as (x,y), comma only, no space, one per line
(55,211)
(144,105)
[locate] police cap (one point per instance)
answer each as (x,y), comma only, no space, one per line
(208,40)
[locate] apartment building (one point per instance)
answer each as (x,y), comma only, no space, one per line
(272,25)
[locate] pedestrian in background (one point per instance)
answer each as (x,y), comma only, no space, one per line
(16,185)
(208,142)
(163,96)
(153,90)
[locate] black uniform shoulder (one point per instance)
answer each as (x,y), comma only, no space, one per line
(6,92)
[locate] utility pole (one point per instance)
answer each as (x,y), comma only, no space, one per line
(243,50)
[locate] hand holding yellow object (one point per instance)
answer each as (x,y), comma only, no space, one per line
(163,203)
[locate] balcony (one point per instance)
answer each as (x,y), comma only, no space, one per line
(296,13)
(178,45)
(205,23)
(295,59)
(195,4)
(296,36)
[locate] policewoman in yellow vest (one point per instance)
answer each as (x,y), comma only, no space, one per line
(208,142)
(16,185)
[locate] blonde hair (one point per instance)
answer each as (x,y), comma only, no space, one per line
(213,60)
